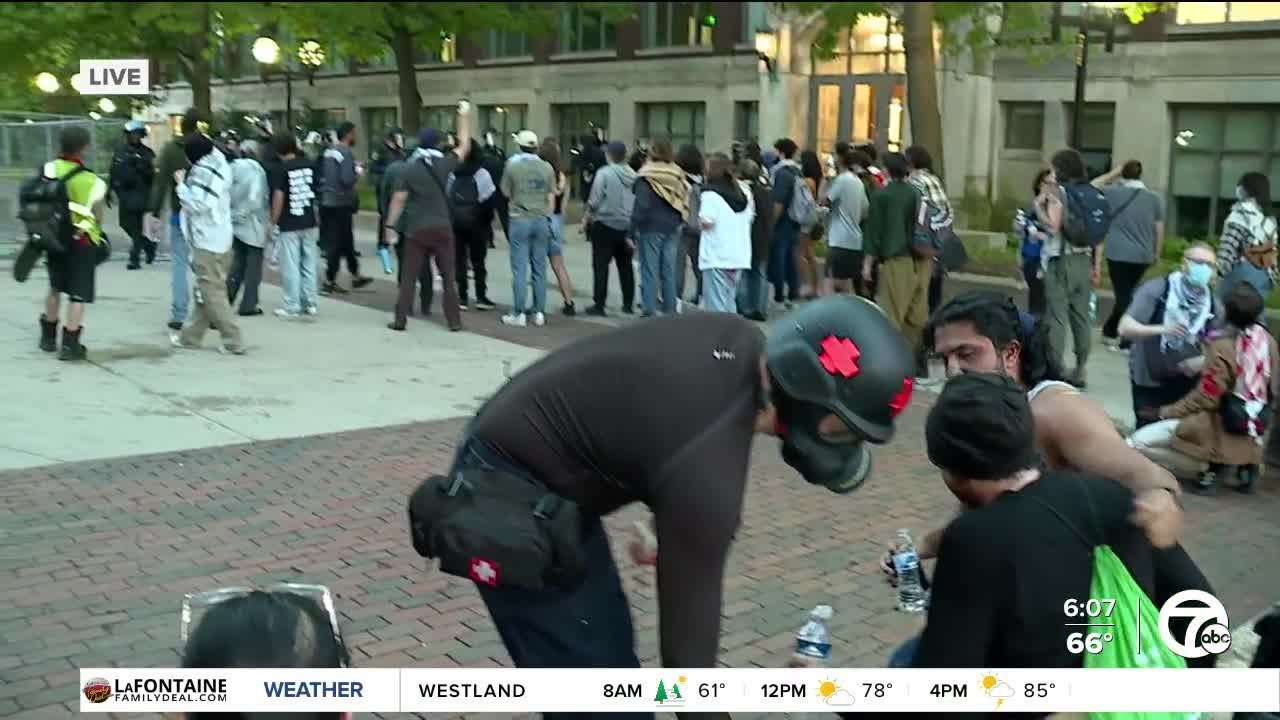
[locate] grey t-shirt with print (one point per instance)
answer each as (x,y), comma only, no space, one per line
(526,183)
(1132,235)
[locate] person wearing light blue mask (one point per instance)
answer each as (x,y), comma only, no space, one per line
(1167,321)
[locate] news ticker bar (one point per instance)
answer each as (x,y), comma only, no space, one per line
(731,690)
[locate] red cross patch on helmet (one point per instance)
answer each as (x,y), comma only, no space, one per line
(903,398)
(839,356)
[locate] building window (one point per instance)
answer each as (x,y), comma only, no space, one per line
(1098,126)
(1023,125)
(677,24)
(684,123)
(755,17)
(440,117)
(376,123)
(746,121)
(506,44)
(1202,13)
(1212,147)
(873,46)
(574,122)
(586,31)
(505,121)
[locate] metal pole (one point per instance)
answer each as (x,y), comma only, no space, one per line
(1082,69)
(288,102)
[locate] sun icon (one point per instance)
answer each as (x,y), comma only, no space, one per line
(989,681)
(682,679)
(827,688)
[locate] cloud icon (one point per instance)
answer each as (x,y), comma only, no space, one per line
(841,697)
(1001,690)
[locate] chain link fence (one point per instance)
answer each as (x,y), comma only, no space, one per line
(27,141)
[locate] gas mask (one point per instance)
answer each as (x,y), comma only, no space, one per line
(840,465)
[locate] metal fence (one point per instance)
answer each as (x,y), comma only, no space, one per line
(28,140)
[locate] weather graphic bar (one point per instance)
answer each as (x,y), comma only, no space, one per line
(844,690)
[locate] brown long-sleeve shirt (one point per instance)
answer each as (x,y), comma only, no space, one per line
(662,412)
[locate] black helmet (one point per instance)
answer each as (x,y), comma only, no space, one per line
(838,355)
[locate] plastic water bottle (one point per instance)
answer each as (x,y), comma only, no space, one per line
(906,561)
(384,254)
(813,642)
(1093,307)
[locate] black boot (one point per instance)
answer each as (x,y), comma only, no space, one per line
(72,350)
(1248,479)
(48,335)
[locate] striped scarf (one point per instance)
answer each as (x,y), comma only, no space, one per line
(1253,373)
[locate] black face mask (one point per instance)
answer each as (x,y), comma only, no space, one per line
(839,467)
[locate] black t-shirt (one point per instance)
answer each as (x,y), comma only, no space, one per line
(294,179)
(661,412)
(1005,570)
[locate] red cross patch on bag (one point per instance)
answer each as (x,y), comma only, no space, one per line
(485,572)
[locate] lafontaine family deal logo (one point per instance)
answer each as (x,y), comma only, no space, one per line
(97,690)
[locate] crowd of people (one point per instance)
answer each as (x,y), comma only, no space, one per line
(1044,476)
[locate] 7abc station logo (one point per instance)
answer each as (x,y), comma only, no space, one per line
(1206,633)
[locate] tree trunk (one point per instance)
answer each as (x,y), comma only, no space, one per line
(407,74)
(199,74)
(922,80)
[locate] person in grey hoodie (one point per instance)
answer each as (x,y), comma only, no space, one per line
(338,176)
(608,221)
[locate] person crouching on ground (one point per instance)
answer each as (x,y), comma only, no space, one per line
(725,212)
(1222,422)
(204,193)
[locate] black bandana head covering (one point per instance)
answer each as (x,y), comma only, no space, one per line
(981,428)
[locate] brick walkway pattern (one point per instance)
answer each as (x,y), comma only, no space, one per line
(96,556)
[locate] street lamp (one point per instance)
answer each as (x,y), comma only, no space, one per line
(310,54)
(1082,62)
(266,51)
(107,105)
(47,83)
(77,83)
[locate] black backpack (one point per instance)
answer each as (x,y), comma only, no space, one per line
(464,201)
(43,209)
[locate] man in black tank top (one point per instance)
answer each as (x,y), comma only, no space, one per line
(827,380)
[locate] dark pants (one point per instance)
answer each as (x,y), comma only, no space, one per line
(587,627)
(426,278)
(131,223)
(246,272)
(1035,286)
(1125,277)
(437,242)
(472,244)
(610,245)
(503,206)
(337,238)
(783,273)
(935,287)
(1151,399)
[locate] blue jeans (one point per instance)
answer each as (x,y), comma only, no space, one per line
(529,240)
(753,292)
(658,253)
(720,290)
(299,262)
(905,654)
(782,260)
(179,269)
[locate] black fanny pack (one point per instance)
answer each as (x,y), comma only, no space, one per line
(498,529)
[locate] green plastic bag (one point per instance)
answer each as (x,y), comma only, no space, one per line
(1135,639)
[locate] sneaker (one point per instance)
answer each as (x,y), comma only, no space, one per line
(628,310)
(175,325)
(513,320)
(133,265)
(252,313)
(176,341)
(569,309)
(485,304)
(462,305)
(360,282)
(596,311)
(282,313)
(228,350)
(679,307)
(539,319)
(312,310)
(333,288)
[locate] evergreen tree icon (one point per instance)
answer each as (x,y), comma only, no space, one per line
(662,692)
(675,690)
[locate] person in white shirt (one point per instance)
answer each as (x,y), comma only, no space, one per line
(204,192)
(725,212)
(248,227)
